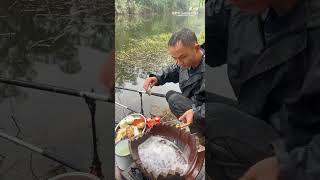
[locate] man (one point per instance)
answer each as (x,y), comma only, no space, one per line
(271,48)
(188,106)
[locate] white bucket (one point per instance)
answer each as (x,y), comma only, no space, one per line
(122,154)
(75,176)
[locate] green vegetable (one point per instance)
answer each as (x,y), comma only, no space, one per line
(129,120)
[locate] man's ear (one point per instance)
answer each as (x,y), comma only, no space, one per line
(196,46)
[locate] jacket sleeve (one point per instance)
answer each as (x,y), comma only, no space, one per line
(217,20)
(300,163)
(199,108)
(199,112)
(168,74)
(299,153)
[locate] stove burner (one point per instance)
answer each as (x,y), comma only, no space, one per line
(133,173)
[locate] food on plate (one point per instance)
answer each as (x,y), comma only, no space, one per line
(140,125)
(121,133)
(129,119)
(137,121)
(130,132)
(136,131)
(130,127)
(123,124)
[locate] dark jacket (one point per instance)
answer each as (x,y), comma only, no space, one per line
(274,69)
(192,87)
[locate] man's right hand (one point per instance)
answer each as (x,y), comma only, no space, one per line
(149,82)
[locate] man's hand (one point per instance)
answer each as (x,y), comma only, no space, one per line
(267,169)
(149,82)
(186,118)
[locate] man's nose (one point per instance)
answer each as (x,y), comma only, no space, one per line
(178,61)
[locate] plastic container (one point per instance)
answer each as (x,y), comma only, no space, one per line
(122,154)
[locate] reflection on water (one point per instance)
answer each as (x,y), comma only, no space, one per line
(63,43)
(51,33)
(141,48)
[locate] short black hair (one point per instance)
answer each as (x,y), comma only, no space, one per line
(185,36)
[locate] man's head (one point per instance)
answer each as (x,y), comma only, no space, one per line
(184,48)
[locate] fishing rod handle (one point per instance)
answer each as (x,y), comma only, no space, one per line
(37,150)
(19,142)
(157,94)
(144,92)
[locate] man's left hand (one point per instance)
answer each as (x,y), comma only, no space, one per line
(186,118)
(267,169)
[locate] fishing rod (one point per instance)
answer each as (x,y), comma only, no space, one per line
(90,98)
(56,89)
(143,92)
(126,107)
(40,151)
(140,93)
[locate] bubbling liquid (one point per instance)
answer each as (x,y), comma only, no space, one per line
(159,155)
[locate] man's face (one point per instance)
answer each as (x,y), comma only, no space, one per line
(184,55)
(253,6)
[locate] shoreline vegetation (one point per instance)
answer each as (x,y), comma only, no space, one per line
(147,7)
(143,28)
(145,55)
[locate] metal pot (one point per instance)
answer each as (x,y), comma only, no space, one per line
(187,142)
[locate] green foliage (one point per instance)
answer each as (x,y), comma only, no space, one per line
(154,6)
(139,57)
(145,53)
